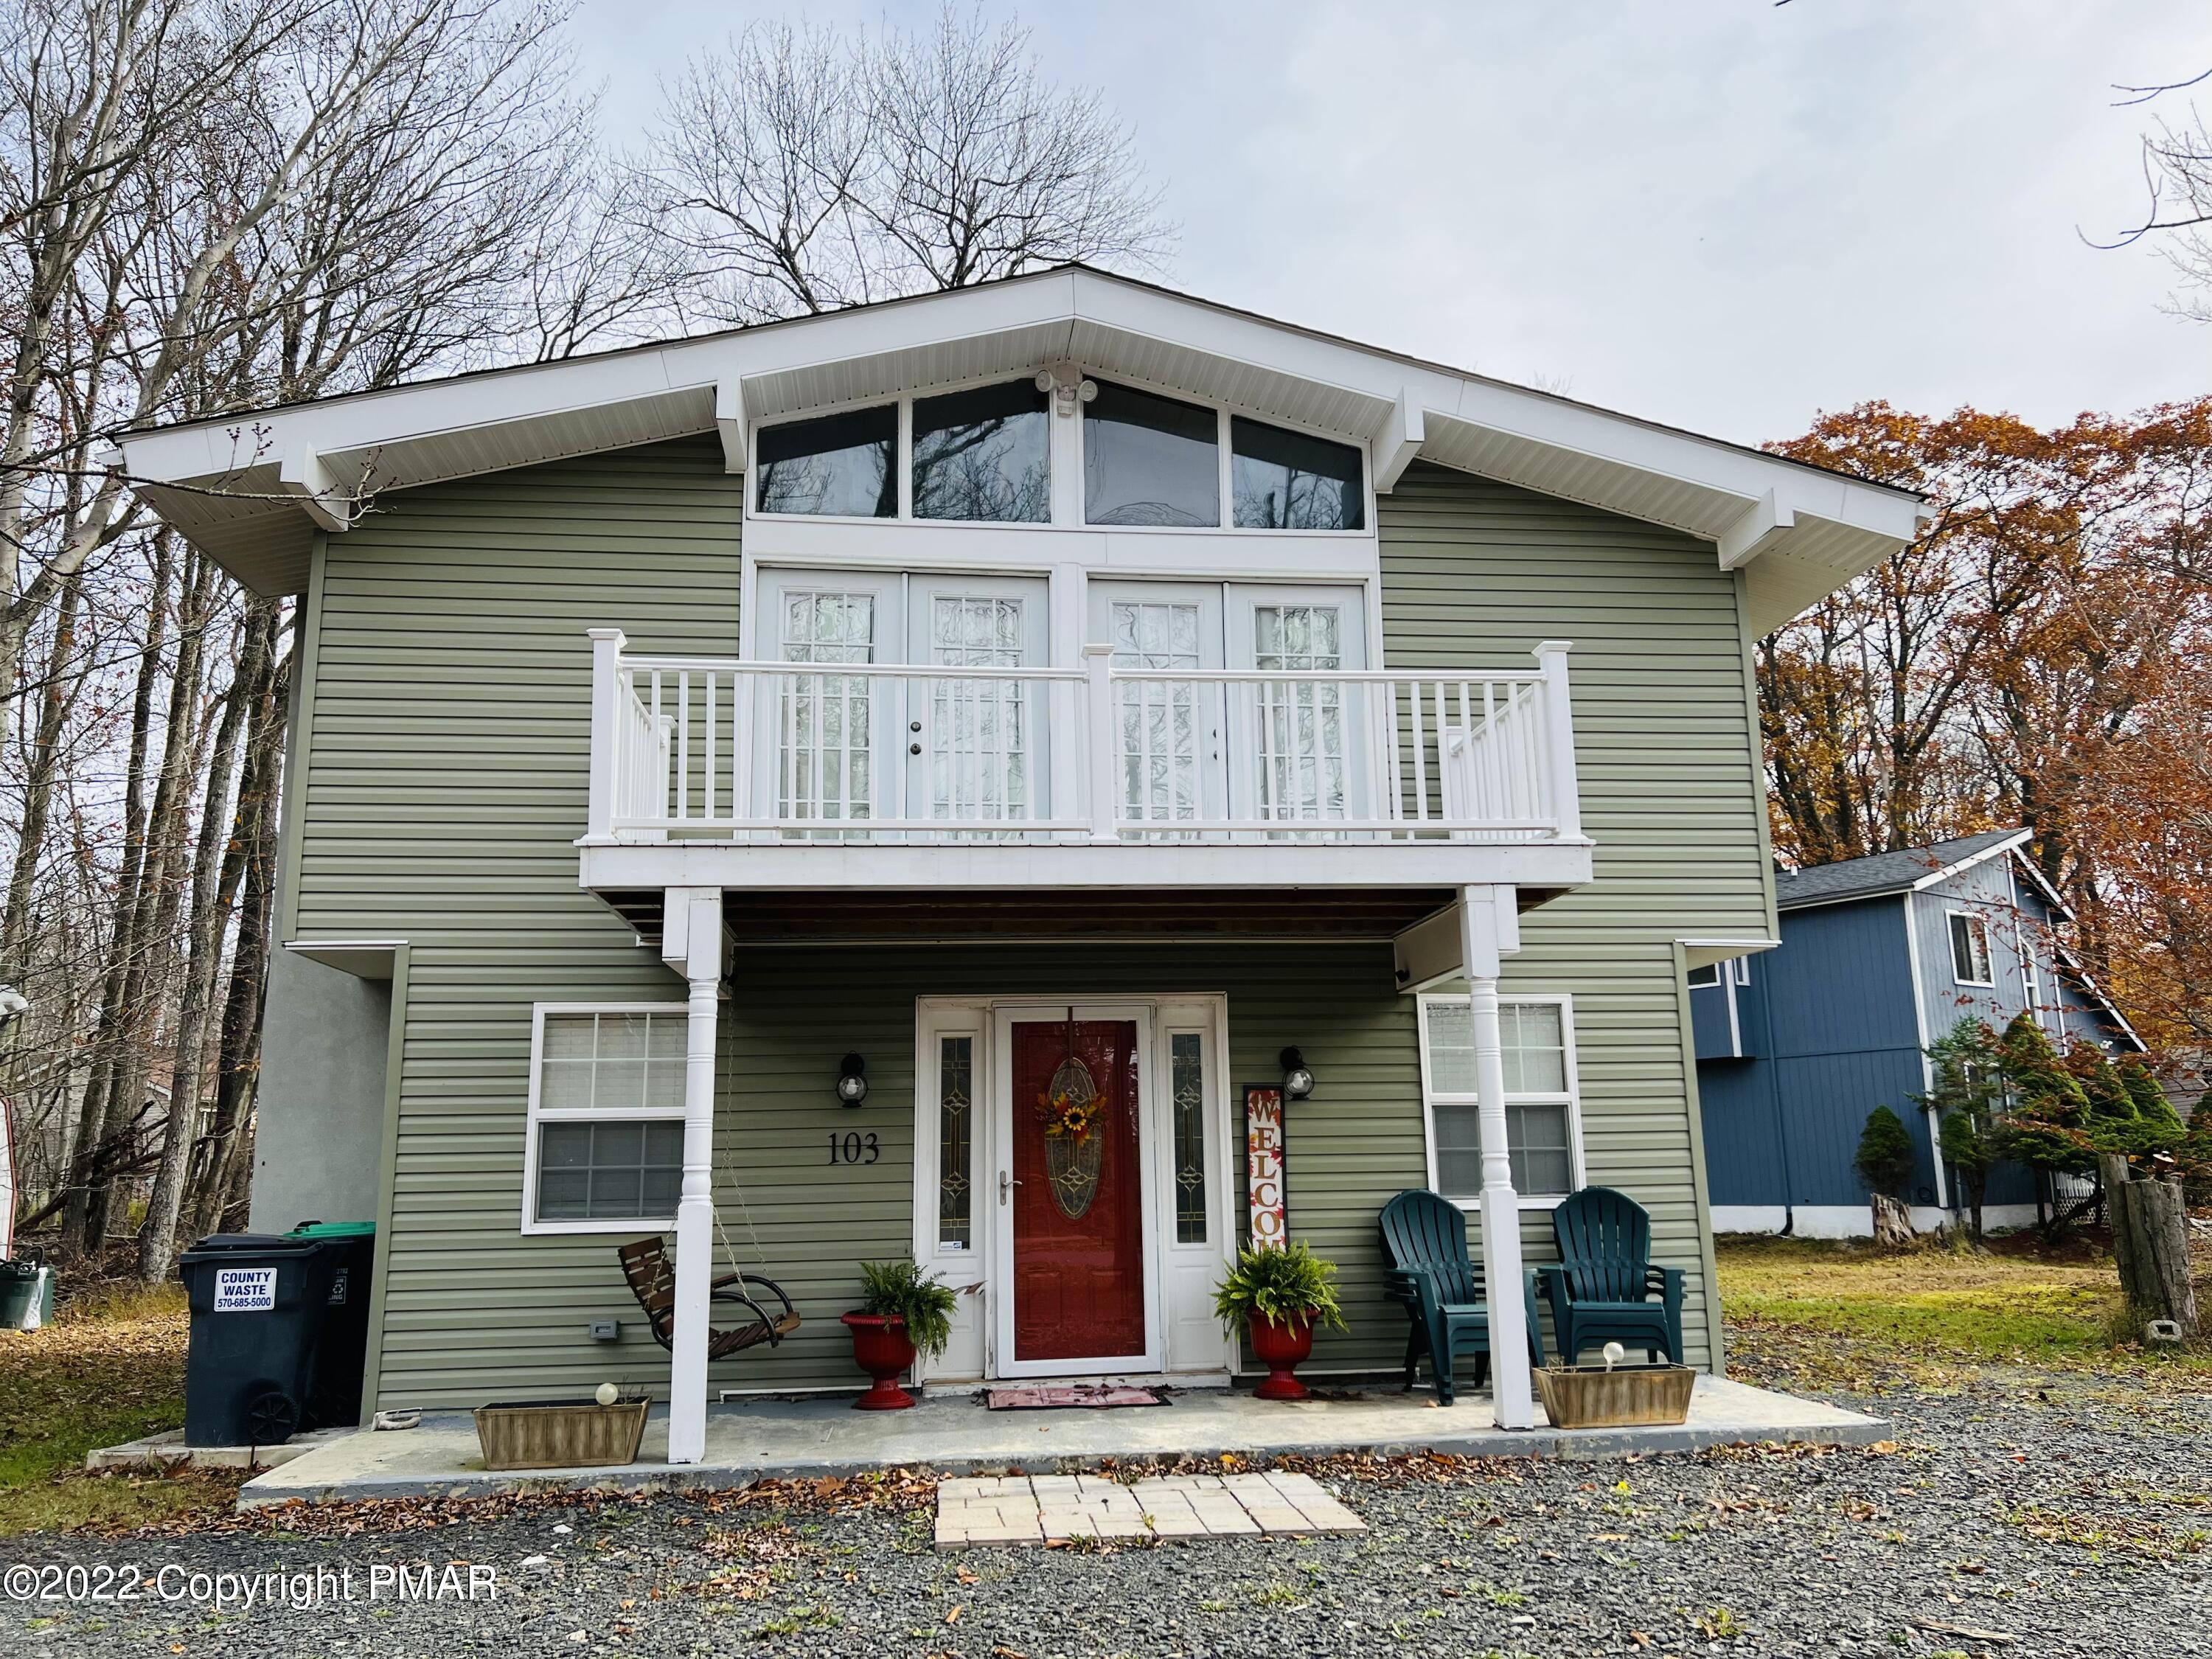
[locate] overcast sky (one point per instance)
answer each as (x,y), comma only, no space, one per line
(1725,213)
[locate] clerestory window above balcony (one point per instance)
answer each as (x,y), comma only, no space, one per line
(1096,453)
(842,466)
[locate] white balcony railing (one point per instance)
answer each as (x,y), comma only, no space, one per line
(699,749)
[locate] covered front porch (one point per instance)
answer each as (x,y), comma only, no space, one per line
(951,1433)
(984,1022)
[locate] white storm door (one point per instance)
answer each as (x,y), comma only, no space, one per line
(1308,749)
(821,738)
(977,750)
(1171,756)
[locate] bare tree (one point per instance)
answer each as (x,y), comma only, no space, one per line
(2177,217)
(206,205)
(802,169)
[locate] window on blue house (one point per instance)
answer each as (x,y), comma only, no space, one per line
(1970,949)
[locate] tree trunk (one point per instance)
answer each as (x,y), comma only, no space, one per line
(217,858)
(84,1219)
(238,1052)
(161,890)
(54,705)
(1893,1222)
(2150,1243)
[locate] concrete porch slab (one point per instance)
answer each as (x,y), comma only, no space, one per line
(954,1435)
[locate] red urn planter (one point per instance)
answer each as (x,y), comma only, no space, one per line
(881,1348)
(1281,1348)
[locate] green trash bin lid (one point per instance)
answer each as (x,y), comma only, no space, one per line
(333,1229)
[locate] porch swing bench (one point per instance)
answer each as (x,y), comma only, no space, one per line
(651,1271)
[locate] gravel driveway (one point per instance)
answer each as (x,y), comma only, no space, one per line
(2073,1517)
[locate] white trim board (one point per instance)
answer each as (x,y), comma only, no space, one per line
(1800,531)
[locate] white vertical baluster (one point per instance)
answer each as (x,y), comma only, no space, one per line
(1420,753)
(706,760)
(659,731)
(925,797)
(682,744)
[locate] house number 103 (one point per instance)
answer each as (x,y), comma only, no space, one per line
(853,1147)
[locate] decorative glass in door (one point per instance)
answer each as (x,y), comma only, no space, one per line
(1160,719)
(1303,769)
(823,721)
(978,729)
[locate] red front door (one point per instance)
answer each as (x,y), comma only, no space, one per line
(1079,1280)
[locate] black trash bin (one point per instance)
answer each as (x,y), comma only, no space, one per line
(257,1305)
(341,1349)
(280,1332)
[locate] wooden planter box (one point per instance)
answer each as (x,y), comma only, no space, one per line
(565,1435)
(1592,1397)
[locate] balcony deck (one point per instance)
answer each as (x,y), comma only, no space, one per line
(920,799)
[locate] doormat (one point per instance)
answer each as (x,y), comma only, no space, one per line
(1052,1397)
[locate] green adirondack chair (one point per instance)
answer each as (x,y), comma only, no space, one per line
(1602,1290)
(1426,1271)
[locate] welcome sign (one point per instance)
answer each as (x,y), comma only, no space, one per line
(1263,1165)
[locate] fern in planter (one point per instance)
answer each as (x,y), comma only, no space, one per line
(927,1303)
(1280,1286)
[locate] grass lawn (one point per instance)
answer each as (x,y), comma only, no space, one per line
(101,1374)
(1812,1313)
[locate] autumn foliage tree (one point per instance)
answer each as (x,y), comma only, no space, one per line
(2040,653)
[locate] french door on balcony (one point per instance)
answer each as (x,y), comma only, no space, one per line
(840,740)
(1196,752)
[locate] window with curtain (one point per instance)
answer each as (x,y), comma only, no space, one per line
(1970,949)
(1284,480)
(606,1119)
(983,456)
(1542,1113)
(1149,460)
(838,465)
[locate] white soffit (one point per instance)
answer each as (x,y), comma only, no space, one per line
(1797,531)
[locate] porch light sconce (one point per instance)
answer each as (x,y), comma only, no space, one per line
(1297,1079)
(851,1080)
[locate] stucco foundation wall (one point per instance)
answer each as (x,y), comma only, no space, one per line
(318,1128)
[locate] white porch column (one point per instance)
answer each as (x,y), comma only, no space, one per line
(691,943)
(1486,933)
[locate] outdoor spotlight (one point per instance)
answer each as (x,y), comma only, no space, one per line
(1297,1080)
(851,1080)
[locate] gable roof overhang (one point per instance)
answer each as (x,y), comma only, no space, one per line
(253,490)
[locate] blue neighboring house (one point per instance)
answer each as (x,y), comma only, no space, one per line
(1878,956)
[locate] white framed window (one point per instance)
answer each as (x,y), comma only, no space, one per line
(1146,457)
(605,1152)
(1704,978)
(1543,1102)
(1970,949)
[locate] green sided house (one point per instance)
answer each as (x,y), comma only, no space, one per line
(729,778)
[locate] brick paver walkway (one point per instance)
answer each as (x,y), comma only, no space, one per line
(1037,1509)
